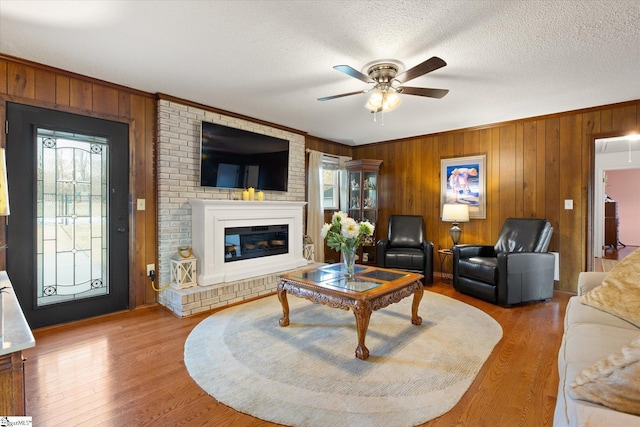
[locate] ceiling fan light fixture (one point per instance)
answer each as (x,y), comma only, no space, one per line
(391,102)
(374,103)
(383,101)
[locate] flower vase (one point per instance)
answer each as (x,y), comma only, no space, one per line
(349,257)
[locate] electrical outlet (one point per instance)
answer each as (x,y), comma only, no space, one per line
(150,268)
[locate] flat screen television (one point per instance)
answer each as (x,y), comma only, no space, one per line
(237,158)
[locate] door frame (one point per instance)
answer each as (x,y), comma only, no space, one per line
(595,214)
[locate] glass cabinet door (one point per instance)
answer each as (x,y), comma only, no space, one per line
(363,202)
(354,195)
(369,190)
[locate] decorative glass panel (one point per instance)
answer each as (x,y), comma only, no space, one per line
(71,217)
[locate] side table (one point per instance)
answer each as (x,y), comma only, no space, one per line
(446,261)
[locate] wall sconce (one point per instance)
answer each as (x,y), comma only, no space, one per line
(455,213)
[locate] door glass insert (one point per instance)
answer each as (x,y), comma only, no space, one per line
(71,218)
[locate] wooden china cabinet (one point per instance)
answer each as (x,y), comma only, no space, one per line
(364,179)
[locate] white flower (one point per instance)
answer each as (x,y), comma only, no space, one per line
(350,228)
(367,228)
(339,216)
(325,230)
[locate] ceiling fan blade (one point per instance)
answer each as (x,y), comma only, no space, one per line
(353,73)
(327,98)
(423,91)
(427,66)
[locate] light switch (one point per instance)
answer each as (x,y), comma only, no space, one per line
(568,204)
(142,204)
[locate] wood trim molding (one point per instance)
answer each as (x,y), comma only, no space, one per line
(186,102)
(516,121)
(76,76)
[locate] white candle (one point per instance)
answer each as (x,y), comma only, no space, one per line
(245,195)
(251,193)
(260,196)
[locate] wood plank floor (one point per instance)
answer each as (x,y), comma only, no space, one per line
(128,369)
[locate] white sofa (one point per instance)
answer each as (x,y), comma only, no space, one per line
(589,335)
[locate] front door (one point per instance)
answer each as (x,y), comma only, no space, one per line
(68,237)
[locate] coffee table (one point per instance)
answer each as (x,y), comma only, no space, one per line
(371,289)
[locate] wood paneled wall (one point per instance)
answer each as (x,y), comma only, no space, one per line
(533,165)
(33,84)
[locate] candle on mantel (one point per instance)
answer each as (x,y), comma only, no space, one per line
(245,195)
(260,196)
(251,193)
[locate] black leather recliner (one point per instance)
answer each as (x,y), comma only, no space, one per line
(516,269)
(406,248)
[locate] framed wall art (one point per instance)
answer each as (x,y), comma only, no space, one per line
(463,181)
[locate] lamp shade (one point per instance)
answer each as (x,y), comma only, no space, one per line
(455,213)
(4,189)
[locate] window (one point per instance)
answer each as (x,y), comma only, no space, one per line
(330,189)
(330,183)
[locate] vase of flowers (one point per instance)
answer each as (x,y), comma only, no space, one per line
(345,235)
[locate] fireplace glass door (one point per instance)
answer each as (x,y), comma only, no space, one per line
(255,242)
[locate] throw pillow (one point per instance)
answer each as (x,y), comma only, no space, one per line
(619,293)
(613,382)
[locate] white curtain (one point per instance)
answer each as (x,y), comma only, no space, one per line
(315,215)
(344,183)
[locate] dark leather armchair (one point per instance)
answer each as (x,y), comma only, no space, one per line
(406,248)
(516,269)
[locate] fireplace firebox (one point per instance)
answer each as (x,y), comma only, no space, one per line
(255,241)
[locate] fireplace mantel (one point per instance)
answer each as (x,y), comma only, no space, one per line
(211,217)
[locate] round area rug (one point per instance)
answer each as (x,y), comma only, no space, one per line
(306,374)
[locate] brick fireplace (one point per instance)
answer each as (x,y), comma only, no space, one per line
(179,182)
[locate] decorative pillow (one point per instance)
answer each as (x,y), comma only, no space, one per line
(619,293)
(613,382)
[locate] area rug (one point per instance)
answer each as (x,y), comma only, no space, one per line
(306,374)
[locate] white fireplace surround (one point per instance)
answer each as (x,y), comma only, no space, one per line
(211,217)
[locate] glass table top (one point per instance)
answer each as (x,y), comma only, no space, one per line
(333,275)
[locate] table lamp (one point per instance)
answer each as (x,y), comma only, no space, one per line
(455,213)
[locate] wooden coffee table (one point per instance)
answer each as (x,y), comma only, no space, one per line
(371,289)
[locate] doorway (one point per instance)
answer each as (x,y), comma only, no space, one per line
(612,156)
(68,237)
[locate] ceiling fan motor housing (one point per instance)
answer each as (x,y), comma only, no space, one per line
(382,73)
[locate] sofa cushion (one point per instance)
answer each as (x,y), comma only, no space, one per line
(404,259)
(483,269)
(613,381)
(580,313)
(619,293)
(589,335)
(588,342)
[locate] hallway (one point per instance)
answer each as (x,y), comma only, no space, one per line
(613,255)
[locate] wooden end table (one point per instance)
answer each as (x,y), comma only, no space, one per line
(446,257)
(371,289)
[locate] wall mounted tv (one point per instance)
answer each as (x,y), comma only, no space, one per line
(236,158)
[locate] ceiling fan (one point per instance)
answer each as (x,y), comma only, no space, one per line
(387,83)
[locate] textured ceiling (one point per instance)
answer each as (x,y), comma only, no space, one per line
(271,60)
